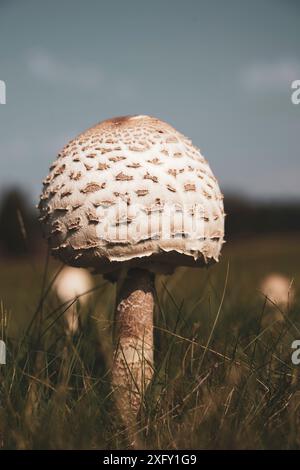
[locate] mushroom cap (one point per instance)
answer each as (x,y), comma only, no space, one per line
(72,283)
(278,289)
(132,191)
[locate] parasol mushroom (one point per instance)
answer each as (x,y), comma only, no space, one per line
(129,198)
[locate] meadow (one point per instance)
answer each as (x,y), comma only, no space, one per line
(223,378)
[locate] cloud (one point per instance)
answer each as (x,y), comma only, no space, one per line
(272,77)
(44,66)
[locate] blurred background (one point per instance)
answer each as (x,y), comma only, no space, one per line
(220,72)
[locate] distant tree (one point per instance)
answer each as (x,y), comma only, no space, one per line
(17,223)
(254,217)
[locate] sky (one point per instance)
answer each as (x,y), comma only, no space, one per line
(220,72)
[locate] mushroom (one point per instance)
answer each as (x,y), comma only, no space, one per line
(129,198)
(72,286)
(279,292)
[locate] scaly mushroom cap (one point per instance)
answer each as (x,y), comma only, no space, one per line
(132,190)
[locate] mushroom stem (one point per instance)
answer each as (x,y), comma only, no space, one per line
(71,320)
(133,358)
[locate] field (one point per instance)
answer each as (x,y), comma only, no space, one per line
(224,378)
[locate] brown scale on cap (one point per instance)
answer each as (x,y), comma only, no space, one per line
(153,178)
(88,167)
(133,165)
(190,187)
(103,166)
(142,192)
(116,159)
(75,175)
(75,224)
(123,177)
(92,187)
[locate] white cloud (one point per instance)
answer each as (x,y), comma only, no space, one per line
(44,66)
(270,77)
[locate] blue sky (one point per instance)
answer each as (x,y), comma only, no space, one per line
(220,72)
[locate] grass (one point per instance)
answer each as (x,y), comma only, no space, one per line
(223,372)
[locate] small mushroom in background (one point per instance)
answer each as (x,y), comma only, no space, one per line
(278,289)
(132,197)
(279,292)
(73,286)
